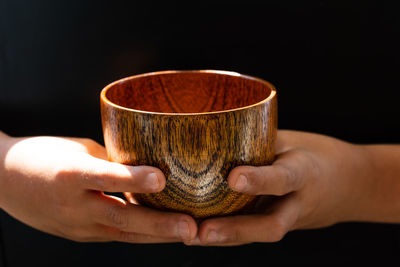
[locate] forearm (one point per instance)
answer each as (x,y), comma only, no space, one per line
(382,200)
(2,135)
(3,150)
(4,145)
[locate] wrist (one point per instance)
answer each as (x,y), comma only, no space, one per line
(378,192)
(359,172)
(383,198)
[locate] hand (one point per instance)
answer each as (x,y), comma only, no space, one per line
(316,181)
(56,185)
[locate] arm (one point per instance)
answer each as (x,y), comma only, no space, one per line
(56,185)
(383,204)
(317,181)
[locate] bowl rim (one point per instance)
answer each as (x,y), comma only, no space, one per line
(272,95)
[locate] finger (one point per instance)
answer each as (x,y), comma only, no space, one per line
(102,175)
(197,242)
(143,239)
(102,233)
(242,229)
(127,217)
(106,234)
(287,174)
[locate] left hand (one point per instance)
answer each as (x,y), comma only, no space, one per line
(313,181)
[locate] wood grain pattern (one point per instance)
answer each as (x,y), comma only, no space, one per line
(195,126)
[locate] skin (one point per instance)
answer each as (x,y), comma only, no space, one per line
(317,181)
(56,184)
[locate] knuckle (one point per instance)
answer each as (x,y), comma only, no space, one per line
(73,173)
(260,181)
(117,217)
(165,227)
(126,236)
(84,175)
(288,178)
(101,180)
(102,183)
(65,174)
(314,167)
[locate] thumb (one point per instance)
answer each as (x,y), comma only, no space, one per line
(102,175)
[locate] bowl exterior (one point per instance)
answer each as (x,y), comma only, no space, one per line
(195,152)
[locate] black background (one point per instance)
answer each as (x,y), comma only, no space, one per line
(335,66)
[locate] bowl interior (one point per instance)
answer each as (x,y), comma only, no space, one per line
(187,91)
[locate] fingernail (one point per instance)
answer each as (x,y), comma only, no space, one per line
(241,183)
(152,181)
(212,237)
(183,230)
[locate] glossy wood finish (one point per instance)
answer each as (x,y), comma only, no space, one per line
(195,126)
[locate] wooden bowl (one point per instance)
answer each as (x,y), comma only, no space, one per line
(195,126)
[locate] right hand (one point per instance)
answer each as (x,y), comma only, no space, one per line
(56,185)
